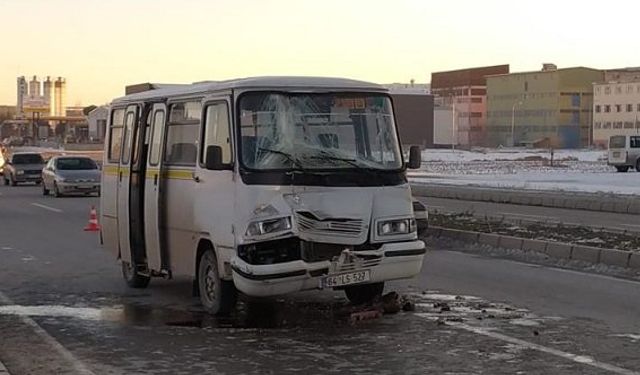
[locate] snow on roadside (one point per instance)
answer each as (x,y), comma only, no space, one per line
(430,155)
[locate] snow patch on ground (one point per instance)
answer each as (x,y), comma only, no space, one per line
(573,170)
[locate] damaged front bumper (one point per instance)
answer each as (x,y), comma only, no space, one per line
(391,261)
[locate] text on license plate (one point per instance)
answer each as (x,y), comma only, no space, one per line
(342,279)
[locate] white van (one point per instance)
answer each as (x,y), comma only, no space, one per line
(624,152)
(263,185)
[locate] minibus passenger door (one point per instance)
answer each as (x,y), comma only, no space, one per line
(136,185)
(124,176)
(215,193)
(153,237)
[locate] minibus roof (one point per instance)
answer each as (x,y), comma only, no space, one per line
(285,83)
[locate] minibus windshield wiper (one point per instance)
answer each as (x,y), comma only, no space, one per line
(324,155)
(287,156)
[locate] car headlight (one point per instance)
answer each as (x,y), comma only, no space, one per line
(398,226)
(259,228)
(19,172)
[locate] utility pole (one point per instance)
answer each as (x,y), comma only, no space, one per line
(453,122)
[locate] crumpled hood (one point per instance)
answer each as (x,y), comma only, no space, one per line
(328,214)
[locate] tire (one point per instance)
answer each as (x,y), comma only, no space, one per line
(6,180)
(56,192)
(45,191)
(638,165)
(361,294)
(622,168)
(217,296)
(13,182)
(132,278)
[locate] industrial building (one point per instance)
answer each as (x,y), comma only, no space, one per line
(413,108)
(462,94)
(548,107)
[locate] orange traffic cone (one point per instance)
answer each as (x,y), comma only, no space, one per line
(93,225)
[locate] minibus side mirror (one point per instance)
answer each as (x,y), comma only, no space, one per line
(213,161)
(415,158)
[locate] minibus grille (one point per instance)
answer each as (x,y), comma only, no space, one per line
(308,223)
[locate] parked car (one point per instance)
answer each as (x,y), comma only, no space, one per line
(71,174)
(2,160)
(23,167)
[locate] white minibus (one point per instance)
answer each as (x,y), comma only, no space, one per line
(264,185)
(624,152)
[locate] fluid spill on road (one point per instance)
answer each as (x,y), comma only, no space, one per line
(254,314)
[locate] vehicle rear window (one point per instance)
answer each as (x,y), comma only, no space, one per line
(618,141)
(72,164)
(27,159)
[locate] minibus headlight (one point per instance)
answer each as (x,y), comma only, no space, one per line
(393,227)
(258,228)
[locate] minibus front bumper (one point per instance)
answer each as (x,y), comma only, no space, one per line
(398,260)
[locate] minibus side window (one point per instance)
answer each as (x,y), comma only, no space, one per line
(115,135)
(156,137)
(216,131)
(635,142)
(128,134)
(182,134)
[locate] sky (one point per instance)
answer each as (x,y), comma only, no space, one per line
(102,46)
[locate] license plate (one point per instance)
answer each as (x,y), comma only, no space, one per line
(343,279)
(616,154)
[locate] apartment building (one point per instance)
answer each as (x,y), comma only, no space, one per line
(616,109)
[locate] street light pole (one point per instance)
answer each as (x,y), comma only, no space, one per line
(453,123)
(513,122)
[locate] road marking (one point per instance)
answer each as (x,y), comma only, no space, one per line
(78,366)
(631,225)
(523,215)
(46,207)
(582,359)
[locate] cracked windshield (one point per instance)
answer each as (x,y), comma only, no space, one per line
(318,132)
(335,187)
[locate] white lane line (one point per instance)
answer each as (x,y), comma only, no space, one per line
(585,360)
(78,366)
(523,215)
(46,207)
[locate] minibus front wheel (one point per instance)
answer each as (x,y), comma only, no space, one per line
(218,297)
(133,278)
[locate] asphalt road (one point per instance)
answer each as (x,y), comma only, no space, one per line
(65,310)
(595,219)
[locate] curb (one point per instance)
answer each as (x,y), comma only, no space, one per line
(556,199)
(553,249)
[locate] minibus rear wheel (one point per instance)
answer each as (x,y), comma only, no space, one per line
(133,278)
(218,297)
(638,165)
(364,293)
(622,168)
